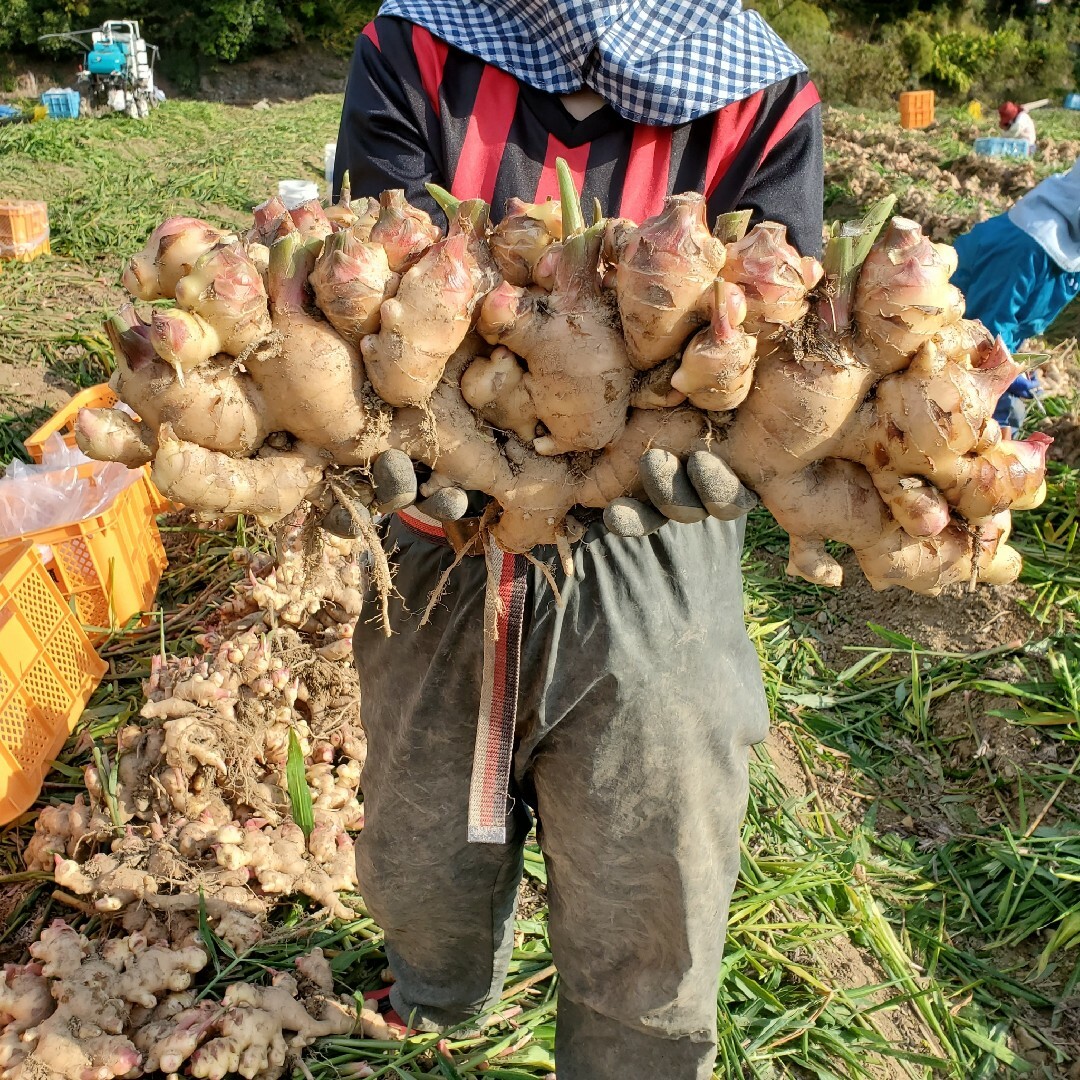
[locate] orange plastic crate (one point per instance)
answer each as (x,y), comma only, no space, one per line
(24,230)
(916,108)
(107,566)
(48,670)
(63,422)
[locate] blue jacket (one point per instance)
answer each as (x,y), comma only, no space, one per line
(1010,284)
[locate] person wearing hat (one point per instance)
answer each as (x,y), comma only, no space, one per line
(620,712)
(1019,270)
(1016,123)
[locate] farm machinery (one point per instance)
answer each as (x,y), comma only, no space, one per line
(118,70)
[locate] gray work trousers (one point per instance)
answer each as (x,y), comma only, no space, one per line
(639,699)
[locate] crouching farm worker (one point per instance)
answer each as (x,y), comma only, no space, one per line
(1015,122)
(620,712)
(1018,271)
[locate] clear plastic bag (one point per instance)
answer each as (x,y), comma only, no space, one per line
(65,488)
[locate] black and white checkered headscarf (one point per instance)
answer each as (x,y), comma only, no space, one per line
(659,62)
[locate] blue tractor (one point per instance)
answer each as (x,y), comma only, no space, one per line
(118,71)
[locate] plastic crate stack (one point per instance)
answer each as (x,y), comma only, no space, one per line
(62,590)
(48,670)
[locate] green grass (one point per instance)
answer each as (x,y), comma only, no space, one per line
(909,902)
(108,183)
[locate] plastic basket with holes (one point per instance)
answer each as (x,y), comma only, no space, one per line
(61,104)
(106,566)
(24,229)
(1002,147)
(48,670)
(63,422)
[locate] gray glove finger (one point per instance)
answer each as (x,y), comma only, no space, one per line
(341,522)
(629,517)
(719,489)
(394,479)
(668,487)
(446,504)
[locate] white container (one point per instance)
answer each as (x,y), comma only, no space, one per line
(329,157)
(294,193)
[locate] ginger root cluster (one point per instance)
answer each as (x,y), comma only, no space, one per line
(124,1007)
(198,799)
(537,359)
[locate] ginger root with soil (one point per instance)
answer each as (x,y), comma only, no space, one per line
(537,359)
(188,814)
(124,1006)
(199,802)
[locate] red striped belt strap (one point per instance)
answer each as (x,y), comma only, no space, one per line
(427,528)
(493,753)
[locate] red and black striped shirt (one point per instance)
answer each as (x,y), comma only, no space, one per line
(418,110)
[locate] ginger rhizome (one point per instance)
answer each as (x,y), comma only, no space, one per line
(200,801)
(521,360)
(196,820)
(125,1007)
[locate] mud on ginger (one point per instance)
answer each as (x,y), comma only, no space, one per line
(121,1007)
(757,355)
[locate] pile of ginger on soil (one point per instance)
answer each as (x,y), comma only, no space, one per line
(555,366)
(196,819)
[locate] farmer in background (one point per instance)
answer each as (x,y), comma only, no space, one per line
(1016,123)
(1019,270)
(631,715)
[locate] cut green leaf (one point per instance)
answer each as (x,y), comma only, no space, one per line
(303,812)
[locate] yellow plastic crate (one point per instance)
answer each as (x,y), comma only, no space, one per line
(48,670)
(107,566)
(62,422)
(24,229)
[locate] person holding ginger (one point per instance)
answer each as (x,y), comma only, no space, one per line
(619,714)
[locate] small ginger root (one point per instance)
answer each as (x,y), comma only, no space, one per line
(495,387)
(171,251)
(664,278)
(717,366)
(112,435)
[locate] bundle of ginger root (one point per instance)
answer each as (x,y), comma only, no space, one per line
(188,816)
(552,365)
(86,1009)
(198,801)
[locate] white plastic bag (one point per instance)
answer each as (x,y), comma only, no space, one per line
(56,492)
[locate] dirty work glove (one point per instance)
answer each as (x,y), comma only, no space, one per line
(703,487)
(340,522)
(393,478)
(445,504)
(393,481)
(392,488)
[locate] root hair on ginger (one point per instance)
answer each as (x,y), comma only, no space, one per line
(379,571)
